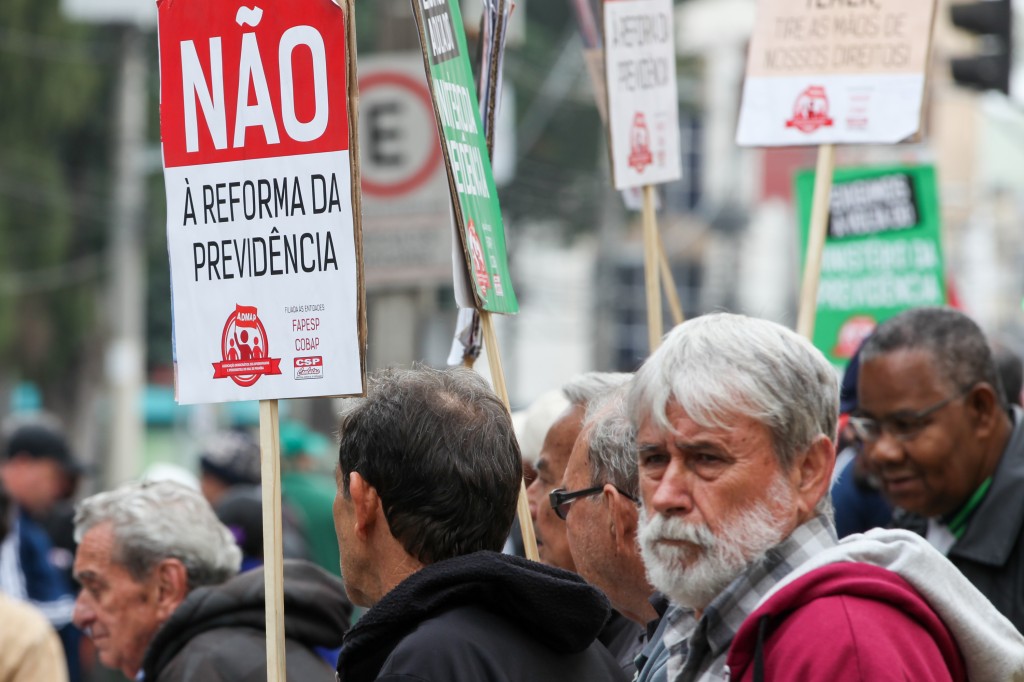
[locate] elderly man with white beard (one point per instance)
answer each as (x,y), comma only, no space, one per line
(736,423)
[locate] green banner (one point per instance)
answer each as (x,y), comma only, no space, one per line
(883,253)
(478,213)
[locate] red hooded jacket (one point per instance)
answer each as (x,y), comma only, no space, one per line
(845,622)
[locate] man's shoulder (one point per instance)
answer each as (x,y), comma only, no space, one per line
(471,643)
(24,624)
(237,653)
(843,607)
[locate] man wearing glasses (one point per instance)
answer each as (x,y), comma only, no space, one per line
(946,446)
(619,634)
(736,421)
(552,544)
(599,507)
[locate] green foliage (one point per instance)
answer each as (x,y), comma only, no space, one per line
(53,142)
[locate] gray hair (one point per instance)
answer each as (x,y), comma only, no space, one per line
(720,366)
(611,442)
(580,390)
(162,520)
(961,353)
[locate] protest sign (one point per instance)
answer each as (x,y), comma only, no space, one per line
(882,255)
(464,146)
(829,72)
(643,119)
(262,209)
(643,103)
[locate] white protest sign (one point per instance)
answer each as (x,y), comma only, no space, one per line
(643,108)
(835,72)
(261,230)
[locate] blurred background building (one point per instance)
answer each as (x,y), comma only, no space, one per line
(85,329)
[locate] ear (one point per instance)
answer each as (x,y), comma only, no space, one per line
(983,409)
(170,586)
(623,516)
(366,503)
(812,474)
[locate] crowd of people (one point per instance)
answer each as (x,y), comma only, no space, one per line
(684,519)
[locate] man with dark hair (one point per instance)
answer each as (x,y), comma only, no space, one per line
(946,446)
(37,469)
(428,476)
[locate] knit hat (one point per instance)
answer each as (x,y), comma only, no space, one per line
(233,457)
(42,442)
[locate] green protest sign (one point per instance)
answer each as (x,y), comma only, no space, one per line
(474,195)
(883,253)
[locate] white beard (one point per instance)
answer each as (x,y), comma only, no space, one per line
(693,575)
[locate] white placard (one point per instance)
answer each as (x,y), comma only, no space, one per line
(643,106)
(822,72)
(261,231)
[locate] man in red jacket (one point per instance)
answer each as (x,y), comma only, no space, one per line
(736,422)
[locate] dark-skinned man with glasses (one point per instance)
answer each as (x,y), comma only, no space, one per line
(599,506)
(948,449)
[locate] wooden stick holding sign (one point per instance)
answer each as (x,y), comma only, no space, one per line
(643,123)
(282,331)
(478,218)
(668,284)
(273,553)
(498,377)
(652,268)
(816,241)
(490,93)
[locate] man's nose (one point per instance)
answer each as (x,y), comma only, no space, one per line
(885,451)
(532,491)
(83,615)
(673,494)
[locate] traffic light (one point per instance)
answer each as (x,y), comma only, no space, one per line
(992,20)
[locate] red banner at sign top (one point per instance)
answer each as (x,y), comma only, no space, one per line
(251,81)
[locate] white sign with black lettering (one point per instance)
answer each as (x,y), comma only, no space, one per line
(643,107)
(831,72)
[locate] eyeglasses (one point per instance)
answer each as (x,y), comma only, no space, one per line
(902,425)
(561,500)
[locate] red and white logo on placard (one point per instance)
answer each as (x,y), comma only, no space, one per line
(476,255)
(245,349)
(249,82)
(810,111)
(852,334)
(640,144)
(309,367)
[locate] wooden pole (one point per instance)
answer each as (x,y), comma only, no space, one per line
(654,323)
(816,240)
(498,377)
(273,568)
(668,284)
(486,324)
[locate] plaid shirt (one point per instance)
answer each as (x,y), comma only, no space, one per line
(697,648)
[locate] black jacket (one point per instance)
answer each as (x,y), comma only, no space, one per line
(991,552)
(218,634)
(484,617)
